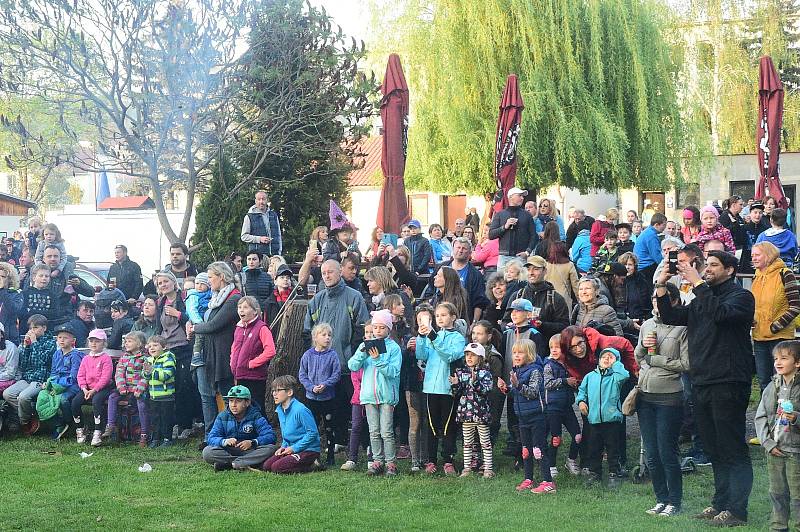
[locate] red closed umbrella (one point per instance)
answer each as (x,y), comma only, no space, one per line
(768,132)
(393,208)
(505,153)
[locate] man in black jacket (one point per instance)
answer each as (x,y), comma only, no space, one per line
(127,273)
(718,322)
(471,279)
(552,316)
(515,228)
(579,222)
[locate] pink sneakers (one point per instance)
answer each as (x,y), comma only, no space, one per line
(545,487)
(525,485)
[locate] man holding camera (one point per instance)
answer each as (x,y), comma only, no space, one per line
(515,228)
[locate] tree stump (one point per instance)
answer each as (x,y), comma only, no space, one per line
(289,348)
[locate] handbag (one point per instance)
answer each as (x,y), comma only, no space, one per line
(630,403)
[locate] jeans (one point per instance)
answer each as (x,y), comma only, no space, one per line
(163,412)
(141,404)
(720,416)
(660,427)
(533,433)
(207,396)
(237,458)
(22,395)
(417,427)
(784,490)
(381,432)
(765,366)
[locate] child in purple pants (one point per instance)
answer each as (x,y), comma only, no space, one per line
(131,384)
(358,413)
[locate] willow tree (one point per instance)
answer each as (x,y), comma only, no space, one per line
(597,78)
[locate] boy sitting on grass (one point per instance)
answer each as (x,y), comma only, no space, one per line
(241,438)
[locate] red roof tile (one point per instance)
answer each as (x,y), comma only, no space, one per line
(127,202)
(367,166)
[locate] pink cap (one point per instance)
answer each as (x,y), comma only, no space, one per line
(709,209)
(100,334)
(384,317)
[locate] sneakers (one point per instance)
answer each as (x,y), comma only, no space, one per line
(59,432)
(449,470)
(669,510)
(700,459)
(727,519)
(97,438)
(754,441)
(415,468)
(222,466)
(525,485)
(465,473)
(403,452)
(80,435)
(430,468)
(554,472)
(167,443)
(375,468)
(185,434)
(31,427)
(391,469)
(709,513)
(348,466)
(110,432)
(657,509)
(545,487)
(142,440)
(572,467)
(613,481)
(488,474)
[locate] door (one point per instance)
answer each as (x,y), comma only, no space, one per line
(453,207)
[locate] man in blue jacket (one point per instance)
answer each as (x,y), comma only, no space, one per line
(241,437)
(648,246)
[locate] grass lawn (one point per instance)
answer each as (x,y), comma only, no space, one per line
(47,486)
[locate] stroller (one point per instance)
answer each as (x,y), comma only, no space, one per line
(639,473)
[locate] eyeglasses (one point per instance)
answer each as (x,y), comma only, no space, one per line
(578,344)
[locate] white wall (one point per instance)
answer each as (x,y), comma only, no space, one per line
(92,235)
(594,203)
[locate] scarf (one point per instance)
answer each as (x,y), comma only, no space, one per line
(218,298)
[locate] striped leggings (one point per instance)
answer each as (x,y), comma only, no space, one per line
(469,430)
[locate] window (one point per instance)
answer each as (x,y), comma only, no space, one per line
(745,189)
(418,205)
(688,194)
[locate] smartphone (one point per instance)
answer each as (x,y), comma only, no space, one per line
(312,244)
(426,320)
(672,262)
(386,240)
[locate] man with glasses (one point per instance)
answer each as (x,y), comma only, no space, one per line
(550,311)
(515,229)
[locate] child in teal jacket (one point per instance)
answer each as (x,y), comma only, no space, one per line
(599,400)
(380,391)
(440,350)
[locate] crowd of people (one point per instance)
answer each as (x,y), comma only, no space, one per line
(418,344)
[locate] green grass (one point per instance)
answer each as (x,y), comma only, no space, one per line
(47,486)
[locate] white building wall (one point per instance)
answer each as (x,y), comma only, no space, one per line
(92,235)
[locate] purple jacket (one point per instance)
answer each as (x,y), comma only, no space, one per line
(320,367)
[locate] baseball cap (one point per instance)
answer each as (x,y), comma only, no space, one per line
(99,334)
(283,269)
(537,261)
(415,223)
(475,348)
(516,190)
(66,328)
(522,304)
(616,268)
(757,205)
(238,392)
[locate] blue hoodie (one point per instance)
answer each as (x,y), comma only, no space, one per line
(197,304)
(784,240)
(581,251)
(446,348)
(320,367)
(253,426)
(600,390)
(64,368)
(380,383)
(298,428)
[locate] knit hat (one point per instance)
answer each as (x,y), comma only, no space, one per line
(382,317)
(202,277)
(709,209)
(609,350)
(168,275)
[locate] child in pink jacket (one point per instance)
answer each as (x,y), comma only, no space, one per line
(252,349)
(95,380)
(359,413)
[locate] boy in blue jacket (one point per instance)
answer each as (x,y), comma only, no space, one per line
(299,450)
(241,437)
(599,399)
(64,372)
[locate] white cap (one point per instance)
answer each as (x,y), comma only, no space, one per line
(516,190)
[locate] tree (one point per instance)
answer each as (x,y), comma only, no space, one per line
(597,79)
(147,75)
(299,69)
